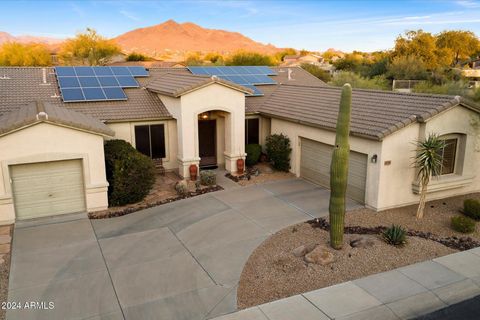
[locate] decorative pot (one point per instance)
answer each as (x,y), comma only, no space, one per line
(193,172)
(240,166)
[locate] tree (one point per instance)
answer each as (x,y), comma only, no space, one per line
(461,45)
(407,68)
(350,62)
(317,71)
(357,81)
(30,54)
(286,52)
(245,58)
(428,161)
(194,59)
(339,170)
(88,48)
(214,58)
(422,45)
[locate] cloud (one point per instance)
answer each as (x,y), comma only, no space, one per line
(129,15)
(468,4)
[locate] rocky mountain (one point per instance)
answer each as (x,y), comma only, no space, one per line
(174,38)
(6,37)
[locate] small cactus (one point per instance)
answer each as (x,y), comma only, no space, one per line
(339,170)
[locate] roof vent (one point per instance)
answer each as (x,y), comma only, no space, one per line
(5,77)
(290,72)
(214,77)
(44,77)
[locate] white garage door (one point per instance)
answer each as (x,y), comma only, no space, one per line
(48,188)
(315,166)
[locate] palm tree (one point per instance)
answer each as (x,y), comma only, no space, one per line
(429,163)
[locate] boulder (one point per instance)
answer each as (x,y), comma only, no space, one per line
(304,249)
(320,255)
(361,242)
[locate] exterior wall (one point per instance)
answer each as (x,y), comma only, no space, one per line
(297,131)
(398,180)
(229,104)
(126,131)
(46,142)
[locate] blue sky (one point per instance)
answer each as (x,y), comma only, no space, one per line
(313,25)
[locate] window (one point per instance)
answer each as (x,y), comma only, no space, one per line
(252,134)
(150,140)
(448,154)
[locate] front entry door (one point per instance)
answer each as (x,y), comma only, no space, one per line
(207,142)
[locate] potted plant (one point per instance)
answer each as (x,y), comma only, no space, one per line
(193,172)
(240,166)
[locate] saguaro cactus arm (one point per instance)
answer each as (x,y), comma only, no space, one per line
(339,170)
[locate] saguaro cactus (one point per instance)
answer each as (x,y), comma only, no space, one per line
(339,170)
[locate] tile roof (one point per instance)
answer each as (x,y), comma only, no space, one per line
(375,114)
(177,84)
(36,112)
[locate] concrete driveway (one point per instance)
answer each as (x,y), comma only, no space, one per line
(177,261)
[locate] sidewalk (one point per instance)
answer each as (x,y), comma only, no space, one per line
(402,293)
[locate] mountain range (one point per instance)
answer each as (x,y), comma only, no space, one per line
(170,38)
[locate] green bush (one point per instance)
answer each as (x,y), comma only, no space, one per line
(182,188)
(253,153)
(471,208)
(278,150)
(395,235)
(208,178)
(130,174)
(463,224)
(137,57)
(317,71)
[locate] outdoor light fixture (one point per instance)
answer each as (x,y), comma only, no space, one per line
(204,116)
(374,158)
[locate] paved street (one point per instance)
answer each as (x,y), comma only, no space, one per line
(182,260)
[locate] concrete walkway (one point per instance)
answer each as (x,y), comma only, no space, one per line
(402,293)
(181,260)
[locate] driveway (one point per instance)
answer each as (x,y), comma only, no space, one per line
(182,260)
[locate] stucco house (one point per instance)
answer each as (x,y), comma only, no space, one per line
(51,151)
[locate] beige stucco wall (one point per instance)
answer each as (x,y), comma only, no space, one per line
(396,179)
(46,142)
(126,131)
(297,131)
(229,104)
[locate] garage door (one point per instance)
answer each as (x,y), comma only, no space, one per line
(48,188)
(315,167)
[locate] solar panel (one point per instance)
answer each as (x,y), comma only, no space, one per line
(97,83)
(247,76)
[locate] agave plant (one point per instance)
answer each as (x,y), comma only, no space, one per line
(429,163)
(395,235)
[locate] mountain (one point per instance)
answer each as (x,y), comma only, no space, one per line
(6,37)
(171,37)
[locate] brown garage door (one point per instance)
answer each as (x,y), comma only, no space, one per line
(315,166)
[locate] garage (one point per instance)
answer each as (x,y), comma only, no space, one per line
(315,166)
(48,188)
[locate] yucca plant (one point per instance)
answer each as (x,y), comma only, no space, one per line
(428,161)
(395,235)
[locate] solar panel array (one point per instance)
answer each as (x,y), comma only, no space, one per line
(97,83)
(247,76)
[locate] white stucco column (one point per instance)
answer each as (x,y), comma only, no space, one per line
(234,140)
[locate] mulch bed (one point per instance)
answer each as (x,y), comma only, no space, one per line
(127,210)
(272,272)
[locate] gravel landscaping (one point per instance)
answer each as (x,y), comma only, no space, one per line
(5,242)
(273,271)
(260,173)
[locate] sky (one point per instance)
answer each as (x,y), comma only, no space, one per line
(312,25)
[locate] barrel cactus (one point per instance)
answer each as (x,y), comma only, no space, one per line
(339,170)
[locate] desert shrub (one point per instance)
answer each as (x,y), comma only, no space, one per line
(134,56)
(253,153)
(317,71)
(182,188)
(357,81)
(395,235)
(471,208)
(463,224)
(278,150)
(208,178)
(130,174)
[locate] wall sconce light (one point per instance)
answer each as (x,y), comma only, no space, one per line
(374,158)
(205,116)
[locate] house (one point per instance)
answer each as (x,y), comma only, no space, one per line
(51,159)
(298,60)
(471,71)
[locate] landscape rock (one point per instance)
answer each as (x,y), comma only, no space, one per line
(320,255)
(267,169)
(362,242)
(5,239)
(5,248)
(304,249)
